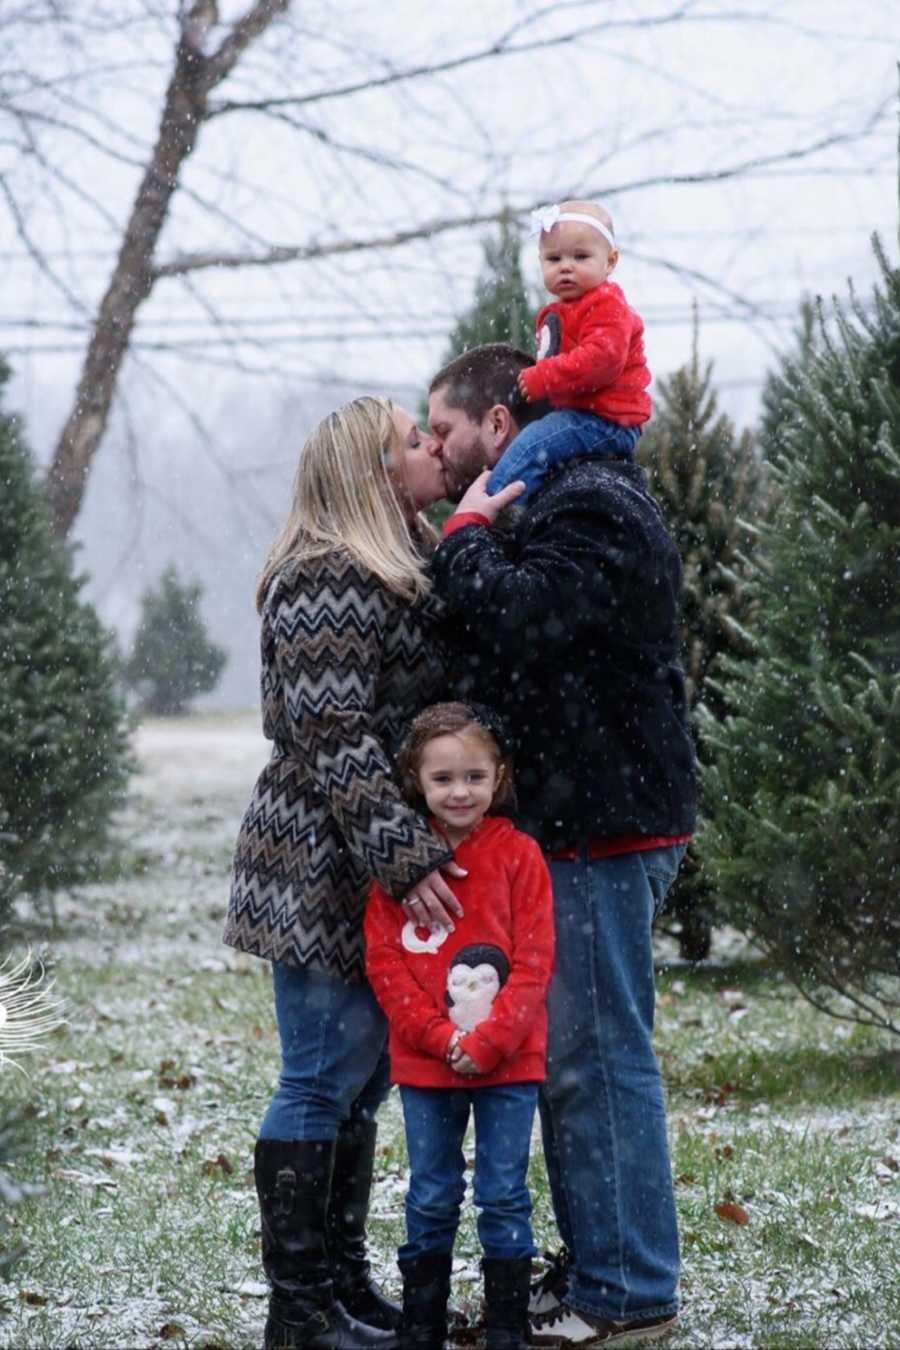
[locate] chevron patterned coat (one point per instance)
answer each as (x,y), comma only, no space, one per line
(344,666)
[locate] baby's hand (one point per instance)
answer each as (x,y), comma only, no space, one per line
(522,390)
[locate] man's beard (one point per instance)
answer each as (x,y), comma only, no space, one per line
(458,478)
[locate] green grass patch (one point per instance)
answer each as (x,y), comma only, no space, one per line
(785,1124)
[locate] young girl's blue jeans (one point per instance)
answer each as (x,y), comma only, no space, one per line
(436,1120)
(566,433)
(334,1063)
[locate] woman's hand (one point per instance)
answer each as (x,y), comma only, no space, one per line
(431,903)
(477,498)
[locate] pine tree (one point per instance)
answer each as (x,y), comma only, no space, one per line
(500,312)
(173,658)
(777,392)
(710,484)
(804,788)
(63,731)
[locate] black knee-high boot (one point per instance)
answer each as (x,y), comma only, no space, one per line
(426,1290)
(348,1208)
(293,1179)
(507,1285)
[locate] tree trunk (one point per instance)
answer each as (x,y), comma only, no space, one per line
(184,111)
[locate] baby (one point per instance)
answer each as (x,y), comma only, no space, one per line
(590,352)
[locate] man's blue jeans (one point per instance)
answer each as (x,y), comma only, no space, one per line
(566,433)
(602,1108)
(436,1120)
(334,1063)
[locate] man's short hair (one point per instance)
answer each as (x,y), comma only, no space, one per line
(482,377)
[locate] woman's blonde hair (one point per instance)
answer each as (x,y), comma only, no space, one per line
(344,500)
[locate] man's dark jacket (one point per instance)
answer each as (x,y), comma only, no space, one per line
(568,625)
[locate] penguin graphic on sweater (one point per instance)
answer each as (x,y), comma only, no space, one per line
(477,974)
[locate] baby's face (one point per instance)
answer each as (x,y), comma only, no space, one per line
(575,258)
(465,982)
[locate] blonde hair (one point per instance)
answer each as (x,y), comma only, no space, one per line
(343,500)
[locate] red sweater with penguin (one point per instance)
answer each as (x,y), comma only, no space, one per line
(489,977)
(590,355)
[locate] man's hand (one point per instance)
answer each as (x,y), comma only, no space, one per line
(477,499)
(431,903)
(458,1059)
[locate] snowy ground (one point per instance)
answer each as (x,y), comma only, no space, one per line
(785,1124)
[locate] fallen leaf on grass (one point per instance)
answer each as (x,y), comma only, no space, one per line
(85,1179)
(882,1209)
(182,1082)
(113,1157)
(220,1164)
(32,1299)
(247,1289)
(732,1213)
(685,1179)
(170,1331)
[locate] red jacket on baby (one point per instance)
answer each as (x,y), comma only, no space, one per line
(489,977)
(601,366)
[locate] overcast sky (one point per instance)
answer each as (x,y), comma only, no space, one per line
(621,109)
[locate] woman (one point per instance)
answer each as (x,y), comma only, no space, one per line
(344,666)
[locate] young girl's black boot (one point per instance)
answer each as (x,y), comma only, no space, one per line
(426,1291)
(507,1285)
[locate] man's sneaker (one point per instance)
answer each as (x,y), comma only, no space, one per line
(549,1290)
(567,1327)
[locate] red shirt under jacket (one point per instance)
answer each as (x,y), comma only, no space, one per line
(508,920)
(601,366)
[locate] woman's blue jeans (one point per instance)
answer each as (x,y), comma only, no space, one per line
(603,1114)
(436,1120)
(334,1063)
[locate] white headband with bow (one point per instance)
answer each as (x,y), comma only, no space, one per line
(545,217)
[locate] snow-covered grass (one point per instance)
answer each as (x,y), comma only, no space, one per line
(145,1106)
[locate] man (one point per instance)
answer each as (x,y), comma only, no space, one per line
(568,623)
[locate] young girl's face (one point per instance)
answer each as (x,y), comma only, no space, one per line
(458,775)
(575,258)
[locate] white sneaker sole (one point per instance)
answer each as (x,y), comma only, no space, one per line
(543,1340)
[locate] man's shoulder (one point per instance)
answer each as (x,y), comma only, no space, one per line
(590,480)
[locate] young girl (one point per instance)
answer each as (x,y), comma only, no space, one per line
(467,1024)
(590,352)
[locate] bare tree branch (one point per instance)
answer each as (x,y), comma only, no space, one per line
(428,229)
(496,49)
(183,113)
(90,191)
